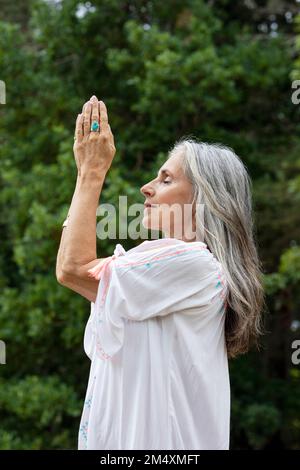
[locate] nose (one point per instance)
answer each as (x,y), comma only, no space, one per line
(146,190)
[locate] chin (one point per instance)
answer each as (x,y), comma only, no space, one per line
(146,222)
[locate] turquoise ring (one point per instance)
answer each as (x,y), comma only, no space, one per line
(95,126)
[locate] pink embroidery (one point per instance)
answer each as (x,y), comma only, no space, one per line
(101,353)
(97,270)
(222,281)
(100,270)
(167,255)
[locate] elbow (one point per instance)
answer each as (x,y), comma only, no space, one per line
(63,274)
(60,277)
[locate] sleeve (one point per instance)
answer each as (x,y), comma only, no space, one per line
(150,284)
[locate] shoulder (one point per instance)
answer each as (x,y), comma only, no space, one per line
(169,253)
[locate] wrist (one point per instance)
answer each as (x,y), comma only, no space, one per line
(91,176)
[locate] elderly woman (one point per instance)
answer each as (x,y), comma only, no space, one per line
(167,314)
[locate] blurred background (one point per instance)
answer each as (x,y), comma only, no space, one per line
(221,71)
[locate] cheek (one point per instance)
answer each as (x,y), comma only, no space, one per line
(170,194)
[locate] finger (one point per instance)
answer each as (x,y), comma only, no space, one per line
(79,128)
(112,136)
(87,118)
(99,111)
(83,107)
(95,110)
(103,117)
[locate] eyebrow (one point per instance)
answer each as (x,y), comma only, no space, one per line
(164,171)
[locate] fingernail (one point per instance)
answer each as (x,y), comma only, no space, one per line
(93,97)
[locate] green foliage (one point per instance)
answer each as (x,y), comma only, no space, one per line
(203,69)
(260,422)
(38,406)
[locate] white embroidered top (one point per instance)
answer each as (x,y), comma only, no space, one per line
(159,376)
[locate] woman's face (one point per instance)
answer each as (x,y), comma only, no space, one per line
(170,195)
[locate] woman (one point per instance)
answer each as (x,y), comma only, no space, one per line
(167,314)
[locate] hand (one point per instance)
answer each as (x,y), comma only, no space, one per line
(93,150)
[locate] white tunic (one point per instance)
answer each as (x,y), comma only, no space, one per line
(159,376)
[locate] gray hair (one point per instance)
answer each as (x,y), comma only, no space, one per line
(222,185)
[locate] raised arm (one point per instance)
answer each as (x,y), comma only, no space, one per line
(93,153)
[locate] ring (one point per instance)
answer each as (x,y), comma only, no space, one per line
(95,126)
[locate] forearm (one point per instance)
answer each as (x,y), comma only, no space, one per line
(78,243)
(61,250)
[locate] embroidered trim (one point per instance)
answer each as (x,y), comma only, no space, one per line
(84,430)
(221,282)
(173,254)
(101,353)
(162,257)
(88,401)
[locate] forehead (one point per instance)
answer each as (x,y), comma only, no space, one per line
(173,165)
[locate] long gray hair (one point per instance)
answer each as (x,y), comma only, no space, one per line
(223,187)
